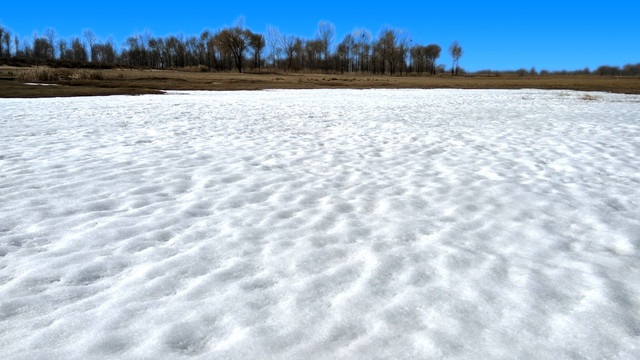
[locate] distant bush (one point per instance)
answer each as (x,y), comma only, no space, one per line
(87,75)
(43,74)
(627,70)
(198,68)
(631,70)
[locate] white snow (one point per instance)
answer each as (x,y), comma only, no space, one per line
(41,84)
(321,224)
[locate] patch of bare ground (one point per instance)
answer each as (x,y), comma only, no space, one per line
(132,82)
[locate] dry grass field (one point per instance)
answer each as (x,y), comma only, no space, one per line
(121,81)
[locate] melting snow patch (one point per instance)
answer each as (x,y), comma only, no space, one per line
(41,84)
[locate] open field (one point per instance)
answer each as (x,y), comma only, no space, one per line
(154,81)
(321,224)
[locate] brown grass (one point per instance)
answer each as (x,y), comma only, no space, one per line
(109,82)
(46,75)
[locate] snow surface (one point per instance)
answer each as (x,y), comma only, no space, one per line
(308,224)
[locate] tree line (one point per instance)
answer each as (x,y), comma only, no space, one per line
(237,48)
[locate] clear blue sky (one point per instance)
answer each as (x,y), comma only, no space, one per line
(497,35)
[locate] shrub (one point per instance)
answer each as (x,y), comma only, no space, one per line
(87,75)
(43,74)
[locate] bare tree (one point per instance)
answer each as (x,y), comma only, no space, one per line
(627,70)
(202,48)
(236,41)
(363,44)
(313,51)
(16,42)
(325,33)
(5,42)
(344,54)
(237,47)
(103,53)
(402,48)
(257,43)
(391,51)
(41,49)
(79,51)
(293,50)
(175,51)
(134,52)
(62,49)
(6,39)
(432,53)
(416,54)
(156,58)
(212,53)
(90,37)
(50,35)
(193,51)
(110,53)
(456,52)
(2,31)
(203,44)
(274,41)
(27,50)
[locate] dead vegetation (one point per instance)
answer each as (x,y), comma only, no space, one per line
(45,74)
(76,82)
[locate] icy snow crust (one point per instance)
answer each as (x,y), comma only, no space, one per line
(353,224)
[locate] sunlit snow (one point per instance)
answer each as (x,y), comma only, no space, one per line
(321,224)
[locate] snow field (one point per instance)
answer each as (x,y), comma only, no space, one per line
(371,224)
